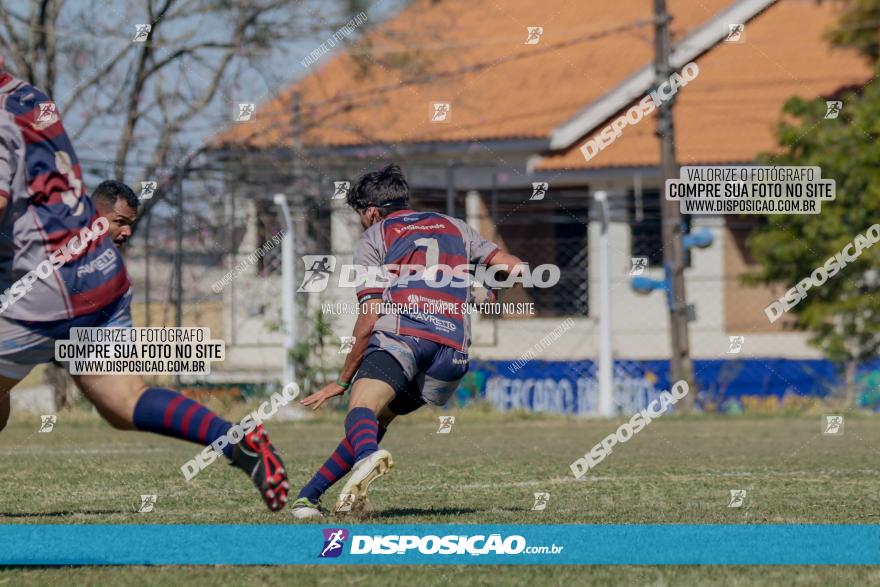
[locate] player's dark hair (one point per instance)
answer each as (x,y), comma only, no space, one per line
(386,189)
(111,190)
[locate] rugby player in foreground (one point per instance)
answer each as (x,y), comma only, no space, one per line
(58,270)
(404,359)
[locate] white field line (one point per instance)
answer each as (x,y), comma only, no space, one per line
(12,451)
(806,475)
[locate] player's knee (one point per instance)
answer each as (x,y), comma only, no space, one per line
(363,397)
(385,417)
(119,417)
(115,398)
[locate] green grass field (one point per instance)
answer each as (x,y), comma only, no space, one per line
(677,470)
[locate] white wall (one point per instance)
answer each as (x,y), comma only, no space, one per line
(640,322)
(639,327)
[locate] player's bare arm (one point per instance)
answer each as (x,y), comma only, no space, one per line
(510,264)
(363,327)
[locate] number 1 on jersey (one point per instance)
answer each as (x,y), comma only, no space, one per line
(432,256)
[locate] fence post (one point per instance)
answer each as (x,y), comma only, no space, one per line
(287,289)
(606,399)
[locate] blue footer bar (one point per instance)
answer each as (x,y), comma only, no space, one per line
(673,544)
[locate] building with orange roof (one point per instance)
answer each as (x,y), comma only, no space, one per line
(527,84)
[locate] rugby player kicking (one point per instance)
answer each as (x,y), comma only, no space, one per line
(400,360)
(45,215)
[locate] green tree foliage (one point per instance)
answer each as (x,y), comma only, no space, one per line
(859,28)
(843,314)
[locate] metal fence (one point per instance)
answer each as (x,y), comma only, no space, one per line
(227,213)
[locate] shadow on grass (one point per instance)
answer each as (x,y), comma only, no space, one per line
(395,512)
(63,514)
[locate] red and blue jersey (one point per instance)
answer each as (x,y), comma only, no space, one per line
(429,305)
(41,179)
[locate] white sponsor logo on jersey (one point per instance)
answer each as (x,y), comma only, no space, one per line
(104,263)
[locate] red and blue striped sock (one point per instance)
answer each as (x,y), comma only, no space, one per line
(339,463)
(169,413)
(361,431)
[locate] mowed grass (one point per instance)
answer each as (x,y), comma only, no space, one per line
(677,470)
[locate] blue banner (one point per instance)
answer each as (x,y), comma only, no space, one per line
(64,544)
(571,387)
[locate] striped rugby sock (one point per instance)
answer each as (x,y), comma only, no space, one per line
(361,431)
(334,469)
(169,413)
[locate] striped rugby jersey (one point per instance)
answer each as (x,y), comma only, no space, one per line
(425,239)
(41,179)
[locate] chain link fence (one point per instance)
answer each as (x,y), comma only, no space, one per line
(207,252)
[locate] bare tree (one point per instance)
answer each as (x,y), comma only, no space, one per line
(139,83)
(144,97)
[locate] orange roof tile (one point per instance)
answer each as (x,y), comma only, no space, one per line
(473,55)
(729,112)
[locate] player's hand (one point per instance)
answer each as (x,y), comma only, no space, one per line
(317,399)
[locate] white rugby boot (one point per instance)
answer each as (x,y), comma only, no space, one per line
(354,495)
